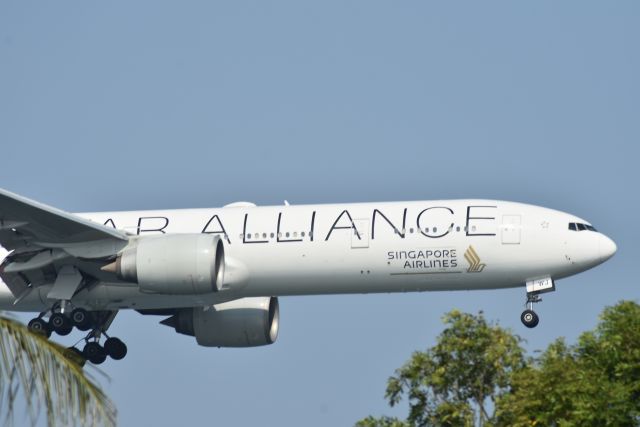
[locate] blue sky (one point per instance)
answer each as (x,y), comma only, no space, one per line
(123,106)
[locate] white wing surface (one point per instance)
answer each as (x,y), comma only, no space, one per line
(42,238)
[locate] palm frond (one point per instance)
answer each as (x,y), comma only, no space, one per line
(46,375)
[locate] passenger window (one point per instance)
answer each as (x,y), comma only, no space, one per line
(572,226)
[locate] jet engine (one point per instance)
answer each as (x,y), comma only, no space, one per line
(246,322)
(174,264)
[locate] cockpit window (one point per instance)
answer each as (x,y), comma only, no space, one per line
(577,226)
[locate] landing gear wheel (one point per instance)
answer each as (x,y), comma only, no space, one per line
(60,324)
(94,353)
(81,319)
(529,318)
(115,348)
(39,326)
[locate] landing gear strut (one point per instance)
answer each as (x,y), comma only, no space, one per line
(529,317)
(63,317)
(113,347)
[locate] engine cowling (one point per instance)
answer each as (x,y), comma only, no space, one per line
(246,322)
(174,264)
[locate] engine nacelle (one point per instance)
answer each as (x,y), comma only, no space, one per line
(246,322)
(174,264)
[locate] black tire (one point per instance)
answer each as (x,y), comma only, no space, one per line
(81,319)
(115,348)
(94,353)
(98,359)
(39,326)
(60,324)
(529,318)
(66,330)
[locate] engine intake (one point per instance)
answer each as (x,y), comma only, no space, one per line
(174,264)
(246,322)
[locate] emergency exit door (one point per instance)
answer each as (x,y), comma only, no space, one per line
(511,229)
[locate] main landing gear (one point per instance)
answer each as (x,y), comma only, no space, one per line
(96,322)
(61,322)
(529,317)
(97,354)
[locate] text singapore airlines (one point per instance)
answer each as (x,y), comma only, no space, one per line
(216,274)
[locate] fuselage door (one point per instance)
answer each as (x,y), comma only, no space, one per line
(511,229)
(360,234)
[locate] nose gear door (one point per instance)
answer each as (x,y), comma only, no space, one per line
(511,229)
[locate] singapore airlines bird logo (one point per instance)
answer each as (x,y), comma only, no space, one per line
(475,266)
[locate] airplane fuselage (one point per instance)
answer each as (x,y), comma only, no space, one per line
(357,248)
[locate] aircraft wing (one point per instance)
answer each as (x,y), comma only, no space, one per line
(24,222)
(42,238)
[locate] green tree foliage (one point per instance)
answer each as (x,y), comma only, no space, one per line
(453,383)
(593,383)
(475,366)
(382,422)
(614,347)
(46,375)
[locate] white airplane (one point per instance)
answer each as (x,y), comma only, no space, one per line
(217,273)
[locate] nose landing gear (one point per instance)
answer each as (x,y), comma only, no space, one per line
(529,317)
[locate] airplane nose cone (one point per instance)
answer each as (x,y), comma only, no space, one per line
(607,247)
